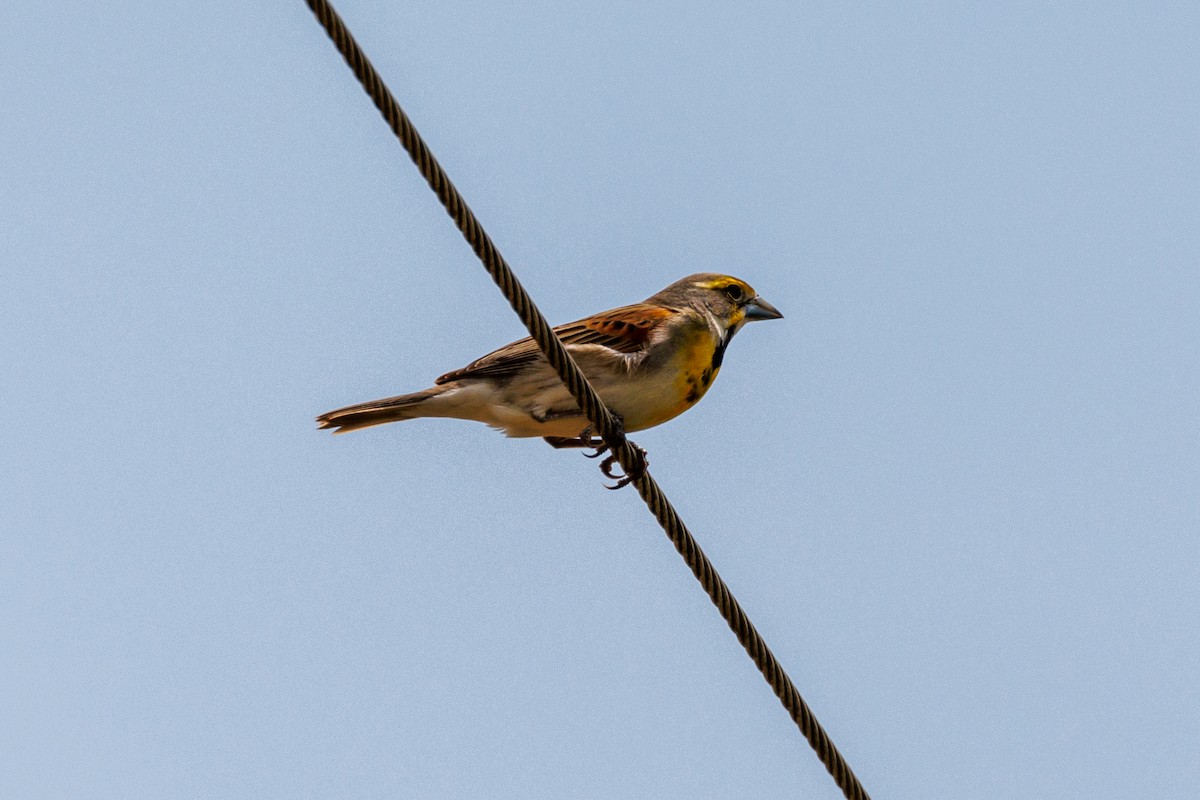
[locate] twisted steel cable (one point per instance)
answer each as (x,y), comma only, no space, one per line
(629,456)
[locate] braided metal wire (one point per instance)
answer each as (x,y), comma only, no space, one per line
(750,638)
(603,422)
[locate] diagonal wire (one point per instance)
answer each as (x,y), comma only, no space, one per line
(603,422)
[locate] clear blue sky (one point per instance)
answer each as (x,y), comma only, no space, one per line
(957,488)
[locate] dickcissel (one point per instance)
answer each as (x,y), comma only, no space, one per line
(649,362)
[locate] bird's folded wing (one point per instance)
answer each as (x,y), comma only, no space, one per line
(628,329)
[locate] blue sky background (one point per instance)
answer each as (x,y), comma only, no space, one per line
(957,488)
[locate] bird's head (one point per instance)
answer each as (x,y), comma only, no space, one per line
(730,301)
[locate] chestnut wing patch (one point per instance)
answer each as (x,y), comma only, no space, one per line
(626,330)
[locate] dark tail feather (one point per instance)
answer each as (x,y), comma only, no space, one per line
(377,412)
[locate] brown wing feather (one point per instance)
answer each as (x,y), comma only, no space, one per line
(626,330)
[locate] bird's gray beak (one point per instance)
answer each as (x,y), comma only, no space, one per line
(758,309)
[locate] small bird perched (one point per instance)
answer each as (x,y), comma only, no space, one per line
(649,362)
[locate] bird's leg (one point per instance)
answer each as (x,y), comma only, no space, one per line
(584,439)
(599,447)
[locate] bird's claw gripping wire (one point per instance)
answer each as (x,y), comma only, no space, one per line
(639,467)
(599,447)
(606,466)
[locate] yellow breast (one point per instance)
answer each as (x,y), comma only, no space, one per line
(697,368)
(677,382)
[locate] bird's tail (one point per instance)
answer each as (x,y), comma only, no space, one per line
(377,412)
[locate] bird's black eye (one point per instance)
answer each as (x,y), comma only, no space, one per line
(734,291)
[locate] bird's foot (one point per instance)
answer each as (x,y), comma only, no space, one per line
(599,447)
(596,444)
(606,466)
(639,467)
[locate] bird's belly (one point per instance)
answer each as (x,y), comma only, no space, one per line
(642,401)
